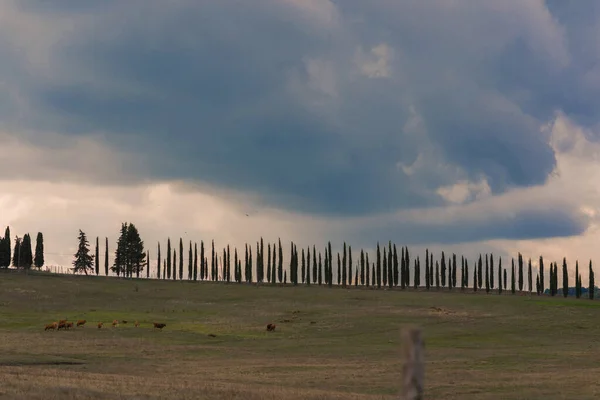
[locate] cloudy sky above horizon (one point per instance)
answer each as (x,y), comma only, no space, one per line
(463,126)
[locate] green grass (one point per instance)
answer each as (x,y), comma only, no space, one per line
(329,343)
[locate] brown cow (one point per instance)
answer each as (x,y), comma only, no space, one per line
(124,321)
(100,324)
(52,326)
(136,324)
(270,327)
(62,325)
(62,321)
(159,325)
(81,322)
(115,323)
(69,325)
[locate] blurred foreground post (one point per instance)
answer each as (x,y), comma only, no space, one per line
(413,370)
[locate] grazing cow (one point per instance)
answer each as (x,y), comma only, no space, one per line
(159,326)
(137,324)
(69,325)
(124,321)
(62,321)
(52,326)
(270,327)
(81,322)
(115,323)
(100,324)
(61,325)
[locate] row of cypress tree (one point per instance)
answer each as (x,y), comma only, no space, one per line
(392,268)
(22,255)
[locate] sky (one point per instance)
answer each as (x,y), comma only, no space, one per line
(468,127)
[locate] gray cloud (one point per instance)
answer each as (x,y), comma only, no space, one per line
(347,109)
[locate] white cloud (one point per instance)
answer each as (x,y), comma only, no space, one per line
(376,62)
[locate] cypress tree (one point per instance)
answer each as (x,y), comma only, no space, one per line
(437,275)
(106,258)
(378,266)
(577,280)
(542,285)
(373,274)
(168,258)
(362,267)
(195,272)
(466,273)
(487,275)
(537,284)
(180,258)
(38,260)
(148,264)
(308,267)
(229,263)
(453,270)
(565,278)
(96,257)
(350,265)
(356,277)
(174,264)
(390,265)
(500,275)
(367,274)
(203,272)
(344,266)
(339,266)
(303,267)
(280,265)
(407,266)
(418,273)
(505,280)
(450,269)
(190,263)
(480,272)
(427,283)
(320,273)
(330,277)
(529,276)
(269,263)
(475,277)
(443,270)
(431,268)
(462,273)
(520,272)
(262,260)
(592,284)
(384,272)
(396,272)
(513,283)
(213,270)
(491,272)
(402,269)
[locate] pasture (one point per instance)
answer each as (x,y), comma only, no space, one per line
(328,343)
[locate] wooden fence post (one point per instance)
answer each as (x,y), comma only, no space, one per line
(413,370)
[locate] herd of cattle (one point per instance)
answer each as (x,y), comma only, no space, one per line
(63,324)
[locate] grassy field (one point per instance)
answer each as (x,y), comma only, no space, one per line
(329,343)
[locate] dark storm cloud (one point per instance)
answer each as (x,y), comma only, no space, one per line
(269,97)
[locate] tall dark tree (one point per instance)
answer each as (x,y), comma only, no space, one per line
(148,264)
(349,265)
(180,258)
(542,284)
(437,275)
(203,272)
(443,270)
(84,261)
(529,276)
(158,262)
(344,266)
(195,272)
(453,270)
(168,258)
(106,256)
(577,280)
(491,272)
(396,265)
(565,278)
(407,266)
(26,252)
(390,265)
(339,263)
(309,276)
(384,274)
(96,257)
(487,275)
(130,256)
(520,272)
(190,262)
(362,267)
(480,272)
(320,270)
(5,249)
(513,281)
(38,260)
(367,275)
(500,275)
(378,260)
(475,275)
(213,266)
(229,263)
(280,265)
(592,284)
(505,280)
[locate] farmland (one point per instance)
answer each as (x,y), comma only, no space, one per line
(329,343)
